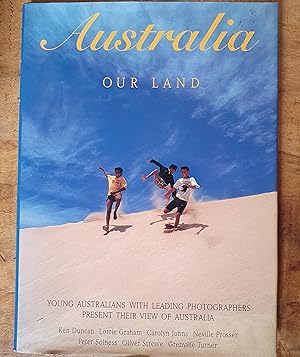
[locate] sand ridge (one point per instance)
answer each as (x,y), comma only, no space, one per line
(224,252)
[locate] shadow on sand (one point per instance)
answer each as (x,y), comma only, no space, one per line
(183,226)
(135,356)
(187,226)
(121,229)
(164,217)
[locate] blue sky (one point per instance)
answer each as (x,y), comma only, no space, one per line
(225,130)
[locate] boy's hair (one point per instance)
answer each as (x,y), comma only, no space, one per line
(185,168)
(173,167)
(119,169)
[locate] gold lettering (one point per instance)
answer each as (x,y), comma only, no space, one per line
(96,40)
(169,35)
(90,20)
(182,41)
(243,46)
(156,40)
(126,39)
(187,46)
(108,41)
(84,31)
(210,31)
(142,39)
(219,41)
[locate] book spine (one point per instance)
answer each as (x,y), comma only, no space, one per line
(16,312)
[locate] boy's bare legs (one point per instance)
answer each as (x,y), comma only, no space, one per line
(108,213)
(152,173)
(118,202)
(177,219)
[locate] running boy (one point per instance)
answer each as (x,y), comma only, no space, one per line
(184,187)
(116,184)
(162,178)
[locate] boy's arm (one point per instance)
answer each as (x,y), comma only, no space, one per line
(157,164)
(169,191)
(104,172)
(172,189)
(120,190)
(193,184)
(172,182)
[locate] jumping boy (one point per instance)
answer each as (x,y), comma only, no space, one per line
(116,184)
(163,178)
(184,187)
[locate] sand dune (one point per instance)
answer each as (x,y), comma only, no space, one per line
(224,253)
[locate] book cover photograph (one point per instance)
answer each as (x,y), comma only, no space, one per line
(147,186)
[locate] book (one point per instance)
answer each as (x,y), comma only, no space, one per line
(147,195)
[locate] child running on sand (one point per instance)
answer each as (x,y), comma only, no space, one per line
(116,184)
(184,187)
(162,178)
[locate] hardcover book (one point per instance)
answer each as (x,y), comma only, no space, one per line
(147,199)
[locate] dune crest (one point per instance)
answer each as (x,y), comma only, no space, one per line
(224,252)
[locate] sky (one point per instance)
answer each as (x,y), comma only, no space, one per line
(225,130)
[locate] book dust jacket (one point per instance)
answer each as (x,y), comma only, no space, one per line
(147,194)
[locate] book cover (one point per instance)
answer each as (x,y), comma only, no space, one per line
(147,194)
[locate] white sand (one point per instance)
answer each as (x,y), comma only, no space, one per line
(225,253)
